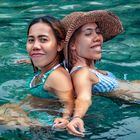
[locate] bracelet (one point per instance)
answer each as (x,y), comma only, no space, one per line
(76,117)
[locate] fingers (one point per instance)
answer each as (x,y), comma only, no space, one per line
(57,120)
(75,132)
(81,127)
(60,123)
(76,129)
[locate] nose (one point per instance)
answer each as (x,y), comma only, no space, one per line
(36,45)
(97,37)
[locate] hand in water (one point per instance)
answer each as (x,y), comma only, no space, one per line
(23,61)
(76,127)
(60,123)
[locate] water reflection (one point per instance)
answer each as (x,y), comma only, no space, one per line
(106,119)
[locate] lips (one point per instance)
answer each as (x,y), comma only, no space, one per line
(96,47)
(33,55)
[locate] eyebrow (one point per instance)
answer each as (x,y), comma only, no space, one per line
(38,36)
(89,29)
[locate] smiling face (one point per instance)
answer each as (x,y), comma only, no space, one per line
(88,42)
(42,45)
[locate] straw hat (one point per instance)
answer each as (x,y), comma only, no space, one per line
(109,25)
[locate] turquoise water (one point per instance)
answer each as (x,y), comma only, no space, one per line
(106,119)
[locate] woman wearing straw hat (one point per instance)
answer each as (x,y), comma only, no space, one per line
(86,32)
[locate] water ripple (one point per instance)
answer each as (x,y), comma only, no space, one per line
(94,3)
(12,90)
(72,6)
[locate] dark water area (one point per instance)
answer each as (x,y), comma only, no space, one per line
(106,119)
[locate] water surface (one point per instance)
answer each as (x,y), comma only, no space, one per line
(106,119)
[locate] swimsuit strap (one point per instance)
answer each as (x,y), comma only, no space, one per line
(45,75)
(79,67)
(75,69)
(95,72)
(56,66)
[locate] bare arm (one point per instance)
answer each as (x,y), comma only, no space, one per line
(127,91)
(82,85)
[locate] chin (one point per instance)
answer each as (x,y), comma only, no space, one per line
(96,58)
(38,65)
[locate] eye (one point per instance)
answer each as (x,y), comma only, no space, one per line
(43,40)
(88,32)
(30,40)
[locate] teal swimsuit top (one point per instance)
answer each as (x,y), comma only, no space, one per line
(38,89)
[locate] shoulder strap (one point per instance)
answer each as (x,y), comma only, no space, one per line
(75,69)
(46,75)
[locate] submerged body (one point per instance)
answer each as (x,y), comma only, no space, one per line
(13,115)
(127,91)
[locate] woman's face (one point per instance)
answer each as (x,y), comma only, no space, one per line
(41,44)
(88,42)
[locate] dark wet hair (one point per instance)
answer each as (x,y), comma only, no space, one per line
(57,28)
(72,58)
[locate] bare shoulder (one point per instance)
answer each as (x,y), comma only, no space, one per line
(82,82)
(61,73)
(59,80)
(85,74)
(81,75)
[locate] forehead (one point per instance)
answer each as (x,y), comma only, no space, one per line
(40,28)
(89,25)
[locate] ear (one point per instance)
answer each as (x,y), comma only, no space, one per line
(73,47)
(60,46)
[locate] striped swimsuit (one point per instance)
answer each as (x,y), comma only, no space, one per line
(107,83)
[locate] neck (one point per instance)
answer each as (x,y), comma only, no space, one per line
(84,62)
(50,65)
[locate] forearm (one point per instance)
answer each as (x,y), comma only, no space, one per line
(68,109)
(81,107)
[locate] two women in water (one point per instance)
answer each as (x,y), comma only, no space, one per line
(85,34)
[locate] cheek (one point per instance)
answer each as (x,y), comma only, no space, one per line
(49,49)
(82,47)
(81,50)
(50,46)
(28,47)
